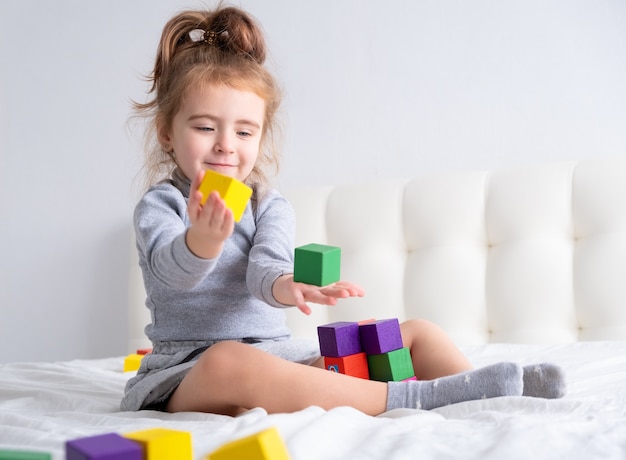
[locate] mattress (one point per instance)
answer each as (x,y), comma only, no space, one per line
(43,404)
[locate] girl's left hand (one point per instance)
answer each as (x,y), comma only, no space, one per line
(289,292)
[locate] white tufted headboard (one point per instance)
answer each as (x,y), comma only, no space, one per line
(534,255)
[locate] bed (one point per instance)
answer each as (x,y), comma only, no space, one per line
(523,265)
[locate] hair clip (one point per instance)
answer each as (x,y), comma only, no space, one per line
(199,35)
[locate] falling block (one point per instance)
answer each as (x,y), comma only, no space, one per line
(317,264)
(103,447)
(339,339)
(132,362)
(163,443)
(235,193)
(354,365)
(144,351)
(392,366)
(380,336)
(24,455)
(266,445)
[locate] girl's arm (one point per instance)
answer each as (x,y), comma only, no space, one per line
(270,267)
(161,221)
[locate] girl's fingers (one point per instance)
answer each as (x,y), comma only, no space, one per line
(353,289)
(300,303)
(195,183)
(343,290)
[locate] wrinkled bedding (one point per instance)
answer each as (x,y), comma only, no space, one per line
(44,404)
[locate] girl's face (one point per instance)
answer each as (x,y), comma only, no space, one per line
(217,128)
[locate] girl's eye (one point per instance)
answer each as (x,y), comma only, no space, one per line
(204,128)
(244,133)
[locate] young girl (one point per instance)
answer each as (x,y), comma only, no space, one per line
(216,289)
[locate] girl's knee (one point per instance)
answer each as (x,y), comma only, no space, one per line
(418,325)
(220,356)
(418,330)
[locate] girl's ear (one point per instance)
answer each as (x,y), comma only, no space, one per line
(163,135)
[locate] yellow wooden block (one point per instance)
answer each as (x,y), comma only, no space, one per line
(163,443)
(132,362)
(235,193)
(266,445)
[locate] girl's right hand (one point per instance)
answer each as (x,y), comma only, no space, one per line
(211,223)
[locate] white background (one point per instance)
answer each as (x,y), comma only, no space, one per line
(372,90)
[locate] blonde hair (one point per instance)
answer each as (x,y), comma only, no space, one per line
(229,51)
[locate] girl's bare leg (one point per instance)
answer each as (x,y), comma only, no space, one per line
(433,353)
(231,377)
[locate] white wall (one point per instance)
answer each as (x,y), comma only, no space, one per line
(372,89)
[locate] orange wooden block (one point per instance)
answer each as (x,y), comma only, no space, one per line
(144,351)
(354,365)
(366,321)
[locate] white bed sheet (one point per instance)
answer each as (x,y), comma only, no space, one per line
(44,404)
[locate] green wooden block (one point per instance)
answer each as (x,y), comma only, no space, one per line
(23,455)
(392,366)
(317,264)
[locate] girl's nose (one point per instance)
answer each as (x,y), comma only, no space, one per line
(225,143)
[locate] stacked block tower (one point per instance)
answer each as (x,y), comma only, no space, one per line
(369,349)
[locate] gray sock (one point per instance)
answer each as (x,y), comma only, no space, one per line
(544,380)
(501,379)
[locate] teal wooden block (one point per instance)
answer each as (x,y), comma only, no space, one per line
(24,455)
(317,264)
(392,366)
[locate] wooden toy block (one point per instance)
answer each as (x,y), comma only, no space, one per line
(144,351)
(266,445)
(235,193)
(366,321)
(163,443)
(381,336)
(339,339)
(354,365)
(24,455)
(103,447)
(132,362)
(392,366)
(317,264)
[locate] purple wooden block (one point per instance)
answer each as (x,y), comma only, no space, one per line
(339,339)
(110,446)
(380,336)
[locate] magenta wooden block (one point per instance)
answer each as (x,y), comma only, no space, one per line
(339,339)
(380,336)
(110,446)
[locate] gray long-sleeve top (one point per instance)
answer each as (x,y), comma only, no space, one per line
(229,297)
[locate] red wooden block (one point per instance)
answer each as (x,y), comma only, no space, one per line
(354,365)
(144,351)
